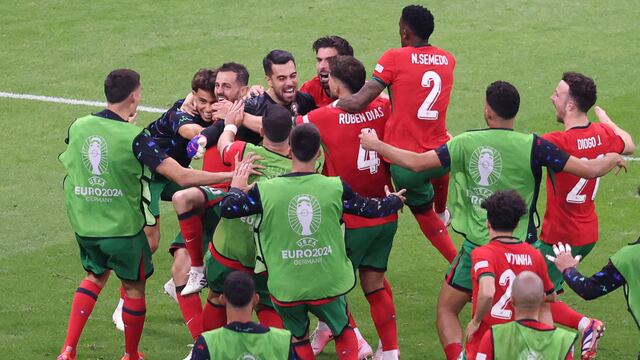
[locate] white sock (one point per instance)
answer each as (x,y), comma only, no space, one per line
(322,326)
(120,304)
(358,334)
(584,322)
(390,355)
(199,269)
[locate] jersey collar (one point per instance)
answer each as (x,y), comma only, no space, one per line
(108,114)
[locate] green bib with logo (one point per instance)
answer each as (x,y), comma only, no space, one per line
(519,342)
(106,187)
(627,261)
(224,343)
(301,240)
(483,162)
(233,238)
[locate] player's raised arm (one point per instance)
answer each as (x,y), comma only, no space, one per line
(359,100)
(232,121)
(629,146)
(403,158)
(594,168)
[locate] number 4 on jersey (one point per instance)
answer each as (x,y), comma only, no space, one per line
(368,160)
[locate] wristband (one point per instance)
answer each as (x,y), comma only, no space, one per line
(232,128)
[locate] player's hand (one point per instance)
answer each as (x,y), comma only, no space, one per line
(368,139)
(255,90)
(196,147)
(399,194)
(472,327)
(621,164)
(602,115)
(243,170)
(221,109)
(235,114)
(189,105)
(132,119)
(563,259)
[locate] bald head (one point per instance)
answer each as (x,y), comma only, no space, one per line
(528,291)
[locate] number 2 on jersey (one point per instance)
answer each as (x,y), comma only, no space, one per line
(368,160)
(575,196)
(430,79)
(499,310)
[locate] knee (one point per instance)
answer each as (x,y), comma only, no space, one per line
(181,264)
(185,200)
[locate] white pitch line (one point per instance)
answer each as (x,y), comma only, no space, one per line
(60,100)
(631,158)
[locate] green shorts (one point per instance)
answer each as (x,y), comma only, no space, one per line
(296,318)
(459,274)
(554,274)
(210,221)
(369,247)
(418,184)
(129,256)
(161,189)
(216,273)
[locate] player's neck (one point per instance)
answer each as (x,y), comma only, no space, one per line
(344,93)
(120,110)
(238,315)
(504,236)
(527,314)
(301,166)
(278,148)
(275,98)
(573,120)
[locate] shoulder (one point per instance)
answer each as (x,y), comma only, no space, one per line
(444,52)
(555,136)
(309,84)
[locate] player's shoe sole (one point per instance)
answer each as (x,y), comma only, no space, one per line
(117,316)
(66,354)
(319,340)
(590,339)
(170,289)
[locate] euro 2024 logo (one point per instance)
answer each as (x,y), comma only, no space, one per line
(304,214)
(95,158)
(485,167)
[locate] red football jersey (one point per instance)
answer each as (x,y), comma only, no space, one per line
(420,81)
(364,171)
(503,261)
(571,212)
(314,88)
(212,162)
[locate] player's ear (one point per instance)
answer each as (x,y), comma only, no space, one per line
(488,225)
(256,300)
(223,300)
(261,132)
(268,78)
(244,91)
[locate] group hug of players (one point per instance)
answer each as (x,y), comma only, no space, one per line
(291,210)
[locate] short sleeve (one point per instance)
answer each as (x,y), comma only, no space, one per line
(230,151)
(147,151)
(443,155)
(616,144)
(385,69)
(482,263)
(302,119)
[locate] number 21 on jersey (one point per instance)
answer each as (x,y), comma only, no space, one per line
(575,196)
(432,81)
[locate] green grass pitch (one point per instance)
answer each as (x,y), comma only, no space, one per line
(65,48)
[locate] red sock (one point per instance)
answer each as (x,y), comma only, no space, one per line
(387,288)
(191,229)
(564,315)
(352,321)
(122,292)
(213,316)
(191,309)
(303,350)
(347,345)
(433,228)
(441,190)
(269,317)
(83,302)
(383,314)
(133,315)
(452,351)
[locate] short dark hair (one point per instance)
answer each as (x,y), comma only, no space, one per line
(119,84)
(503,98)
(419,19)
(305,142)
(278,57)
(582,89)
(349,71)
(204,79)
(239,289)
(277,123)
(242,74)
(504,209)
(341,45)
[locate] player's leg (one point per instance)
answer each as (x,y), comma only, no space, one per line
(189,205)
(441,190)
(420,200)
(296,320)
(190,305)
(214,314)
(455,293)
(85,297)
(267,315)
(335,315)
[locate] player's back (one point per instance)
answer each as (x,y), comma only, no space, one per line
(364,171)
(420,81)
(570,216)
